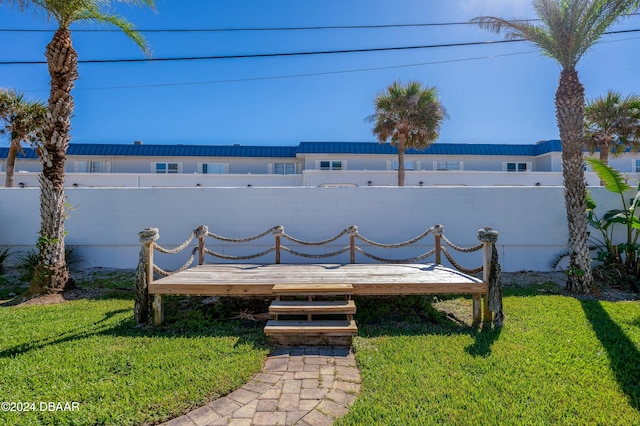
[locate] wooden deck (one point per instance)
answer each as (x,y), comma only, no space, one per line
(367,279)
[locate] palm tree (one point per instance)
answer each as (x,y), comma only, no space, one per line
(612,124)
(51,274)
(410,116)
(565,31)
(23,121)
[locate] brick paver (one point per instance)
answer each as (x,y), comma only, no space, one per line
(297,386)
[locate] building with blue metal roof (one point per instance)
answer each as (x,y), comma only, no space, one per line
(306,164)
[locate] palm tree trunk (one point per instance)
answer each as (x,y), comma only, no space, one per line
(51,274)
(402,142)
(604,152)
(605,147)
(569,114)
(11,163)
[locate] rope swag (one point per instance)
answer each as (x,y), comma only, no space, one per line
(148,237)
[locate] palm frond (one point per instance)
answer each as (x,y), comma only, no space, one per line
(125,26)
(567,28)
(612,178)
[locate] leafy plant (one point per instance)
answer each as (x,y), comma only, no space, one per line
(28,260)
(622,258)
(4,255)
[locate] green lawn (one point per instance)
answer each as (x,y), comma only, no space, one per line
(91,353)
(557,360)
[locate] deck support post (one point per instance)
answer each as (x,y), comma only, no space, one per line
(488,237)
(477,310)
(158,311)
(144,275)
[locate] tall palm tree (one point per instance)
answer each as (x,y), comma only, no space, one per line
(51,274)
(565,31)
(612,124)
(23,121)
(410,116)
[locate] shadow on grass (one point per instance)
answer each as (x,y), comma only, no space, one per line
(485,336)
(623,354)
(127,328)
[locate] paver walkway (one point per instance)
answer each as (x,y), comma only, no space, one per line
(297,386)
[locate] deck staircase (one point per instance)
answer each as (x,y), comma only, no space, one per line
(312,314)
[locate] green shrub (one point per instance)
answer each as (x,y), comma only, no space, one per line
(28,260)
(5,253)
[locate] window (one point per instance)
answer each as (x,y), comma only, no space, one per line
(92,166)
(408,165)
(214,168)
(637,166)
(517,167)
(331,165)
(284,168)
(165,168)
(447,165)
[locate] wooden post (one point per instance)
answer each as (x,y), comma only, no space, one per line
(144,275)
(352,248)
(158,312)
(437,231)
(477,308)
(278,231)
(486,271)
(201,250)
(352,230)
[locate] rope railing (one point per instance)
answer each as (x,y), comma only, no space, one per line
(383,260)
(315,243)
(247,257)
(278,232)
(273,230)
(316,256)
(395,245)
(147,268)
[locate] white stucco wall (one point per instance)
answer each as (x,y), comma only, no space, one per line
(311,178)
(105,222)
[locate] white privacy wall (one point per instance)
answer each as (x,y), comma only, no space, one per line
(104,222)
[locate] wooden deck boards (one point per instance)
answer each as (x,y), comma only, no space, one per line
(367,279)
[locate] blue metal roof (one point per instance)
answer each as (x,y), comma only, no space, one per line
(28,153)
(435,149)
(142,150)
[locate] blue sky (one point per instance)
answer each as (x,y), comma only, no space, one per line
(499,93)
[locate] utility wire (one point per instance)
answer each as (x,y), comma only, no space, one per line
(314,74)
(319,27)
(241,29)
(286,54)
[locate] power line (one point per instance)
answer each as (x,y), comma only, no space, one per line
(279,77)
(266,55)
(241,29)
(314,74)
(289,54)
(308,28)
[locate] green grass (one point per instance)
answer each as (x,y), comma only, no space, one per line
(91,352)
(557,360)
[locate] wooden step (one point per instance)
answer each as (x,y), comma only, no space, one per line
(316,307)
(311,328)
(337,289)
